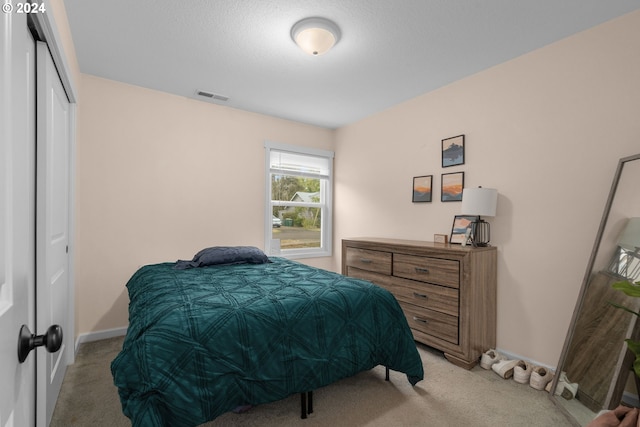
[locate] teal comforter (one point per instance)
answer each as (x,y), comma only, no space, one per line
(203,341)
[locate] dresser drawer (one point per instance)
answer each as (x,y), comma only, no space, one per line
(365,259)
(432,323)
(378,279)
(437,298)
(426,269)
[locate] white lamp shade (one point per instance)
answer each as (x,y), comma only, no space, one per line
(479,201)
(630,237)
(315,35)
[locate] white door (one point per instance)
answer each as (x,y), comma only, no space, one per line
(52,229)
(17,217)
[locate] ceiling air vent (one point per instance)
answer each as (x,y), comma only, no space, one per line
(212,95)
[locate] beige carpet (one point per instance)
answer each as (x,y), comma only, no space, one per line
(448,396)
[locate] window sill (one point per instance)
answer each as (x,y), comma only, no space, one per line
(302,255)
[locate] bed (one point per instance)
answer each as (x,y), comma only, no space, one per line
(205,339)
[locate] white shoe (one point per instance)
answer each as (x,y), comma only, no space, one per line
(540,377)
(522,372)
(564,388)
(489,358)
(504,368)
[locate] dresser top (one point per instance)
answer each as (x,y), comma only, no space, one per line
(418,244)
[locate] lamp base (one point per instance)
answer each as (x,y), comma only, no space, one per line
(480,233)
(480,245)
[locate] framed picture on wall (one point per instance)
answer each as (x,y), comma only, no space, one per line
(461,228)
(452,185)
(453,151)
(422,188)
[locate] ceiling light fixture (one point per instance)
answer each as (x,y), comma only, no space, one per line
(315,35)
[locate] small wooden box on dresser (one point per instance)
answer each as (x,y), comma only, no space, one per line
(447,292)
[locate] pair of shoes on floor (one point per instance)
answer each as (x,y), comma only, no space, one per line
(540,377)
(489,358)
(505,368)
(564,388)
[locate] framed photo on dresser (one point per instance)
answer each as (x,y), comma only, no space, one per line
(461,228)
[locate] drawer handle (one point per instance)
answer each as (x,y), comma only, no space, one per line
(365,260)
(417,295)
(418,319)
(422,270)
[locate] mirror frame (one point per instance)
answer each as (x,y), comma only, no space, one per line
(585,283)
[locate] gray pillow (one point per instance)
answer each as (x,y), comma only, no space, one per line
(224,255)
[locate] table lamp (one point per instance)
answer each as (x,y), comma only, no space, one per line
(479,202)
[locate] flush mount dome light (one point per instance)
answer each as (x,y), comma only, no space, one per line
(315,35)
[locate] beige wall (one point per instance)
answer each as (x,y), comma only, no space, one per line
(159,178)
(546,130)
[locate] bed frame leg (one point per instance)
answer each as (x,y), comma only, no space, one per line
(306,404)
(386,373)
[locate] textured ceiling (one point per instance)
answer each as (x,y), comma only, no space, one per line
(390,51)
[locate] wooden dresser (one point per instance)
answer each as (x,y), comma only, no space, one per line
(447,292)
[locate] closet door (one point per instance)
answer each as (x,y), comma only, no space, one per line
(52,229)
(17,217)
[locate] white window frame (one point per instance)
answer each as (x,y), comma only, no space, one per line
(272,246)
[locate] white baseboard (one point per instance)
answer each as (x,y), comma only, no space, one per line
(99,335)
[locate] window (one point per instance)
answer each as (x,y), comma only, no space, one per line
(298,211)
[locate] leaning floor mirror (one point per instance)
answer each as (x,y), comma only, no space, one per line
(595,359)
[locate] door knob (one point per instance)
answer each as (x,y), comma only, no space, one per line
(51,340)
